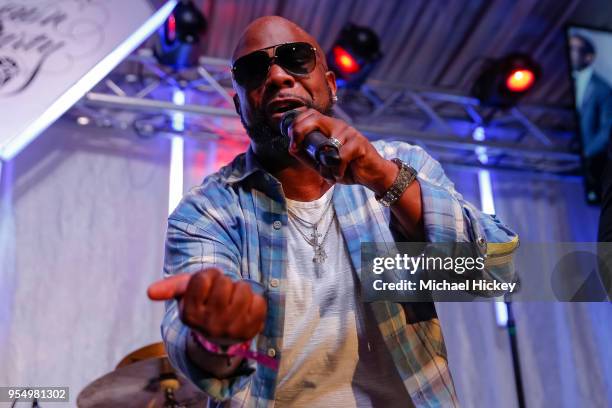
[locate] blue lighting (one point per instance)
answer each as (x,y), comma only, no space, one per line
(481,152)
(178,118)
(486,192)
(177,153)
(478,134)
(501,313)
(487,204)
(175,190)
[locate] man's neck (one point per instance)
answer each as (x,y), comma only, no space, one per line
(302,183)
(299,181)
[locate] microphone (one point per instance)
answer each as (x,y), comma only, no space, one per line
(316,144)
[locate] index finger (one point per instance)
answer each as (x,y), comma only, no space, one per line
(169,288)
(311,120)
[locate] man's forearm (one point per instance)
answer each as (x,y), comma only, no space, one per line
(218,366)
(408,209)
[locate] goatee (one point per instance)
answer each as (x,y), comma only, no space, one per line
(269,144)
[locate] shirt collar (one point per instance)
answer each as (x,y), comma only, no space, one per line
(248,166)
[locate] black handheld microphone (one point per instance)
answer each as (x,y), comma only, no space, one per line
(316,144)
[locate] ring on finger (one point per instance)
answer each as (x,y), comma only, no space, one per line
(335,142)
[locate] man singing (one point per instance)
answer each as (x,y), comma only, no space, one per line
(263,259)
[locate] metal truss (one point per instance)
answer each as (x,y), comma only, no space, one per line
(455,128)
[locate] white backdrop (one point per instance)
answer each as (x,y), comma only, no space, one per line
(565,357)
(46,48)
(89,211)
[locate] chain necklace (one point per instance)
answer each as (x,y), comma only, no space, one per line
(318,245)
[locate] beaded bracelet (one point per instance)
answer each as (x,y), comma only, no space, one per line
(240,350)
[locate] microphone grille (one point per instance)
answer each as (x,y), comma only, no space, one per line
(286,121)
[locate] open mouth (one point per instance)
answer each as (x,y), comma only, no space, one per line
(279,106)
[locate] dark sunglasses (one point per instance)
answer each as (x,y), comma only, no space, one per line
(297,58)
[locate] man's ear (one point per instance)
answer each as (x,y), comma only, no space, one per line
(330,77)
(237,104)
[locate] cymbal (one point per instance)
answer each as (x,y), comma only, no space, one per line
(143,353)
(145,383)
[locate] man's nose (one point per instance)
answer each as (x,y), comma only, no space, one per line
(280,78)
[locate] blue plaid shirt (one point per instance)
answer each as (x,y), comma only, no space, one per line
(237,221)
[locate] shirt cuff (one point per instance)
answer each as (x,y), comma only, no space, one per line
(175,335)
(447,218)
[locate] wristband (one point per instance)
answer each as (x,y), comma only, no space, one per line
(239,350)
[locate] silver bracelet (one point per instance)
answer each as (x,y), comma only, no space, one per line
(404,178)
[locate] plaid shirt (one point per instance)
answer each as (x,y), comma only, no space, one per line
(237,221)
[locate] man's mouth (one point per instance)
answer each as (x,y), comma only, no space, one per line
(278,106)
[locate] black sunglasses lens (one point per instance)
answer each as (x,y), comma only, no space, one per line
(296,58)
(251,69)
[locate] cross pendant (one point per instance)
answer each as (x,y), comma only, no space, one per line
(315,237)
(320,255)
(319,252)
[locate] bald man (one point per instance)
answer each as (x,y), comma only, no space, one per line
(263,259)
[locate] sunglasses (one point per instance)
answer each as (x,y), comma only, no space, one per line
(296,58)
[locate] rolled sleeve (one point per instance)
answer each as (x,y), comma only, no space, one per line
(174,334)
(447,217)
(196,239)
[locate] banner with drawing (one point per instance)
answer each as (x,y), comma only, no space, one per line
(47,46)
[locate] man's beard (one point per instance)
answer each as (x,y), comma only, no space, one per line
(269,144)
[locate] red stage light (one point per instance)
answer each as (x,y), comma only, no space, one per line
(345,61)
(520,80)
(171,28)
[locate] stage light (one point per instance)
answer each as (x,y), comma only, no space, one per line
(171,33)
(83,120)
(354,55)
(503,82)
(345,61)
(178,118)
(478,134)
(520,80)
(178,40)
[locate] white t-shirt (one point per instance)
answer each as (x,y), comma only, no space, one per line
(333,354)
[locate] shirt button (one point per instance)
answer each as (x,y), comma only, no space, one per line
(271,352)
(481,241)
(274,282)
(277,224)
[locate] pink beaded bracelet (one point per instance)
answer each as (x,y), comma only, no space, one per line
(239,349)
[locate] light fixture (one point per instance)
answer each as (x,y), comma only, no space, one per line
(520,80)
(83,120)
(503,82)
(354,55)
(178,39)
